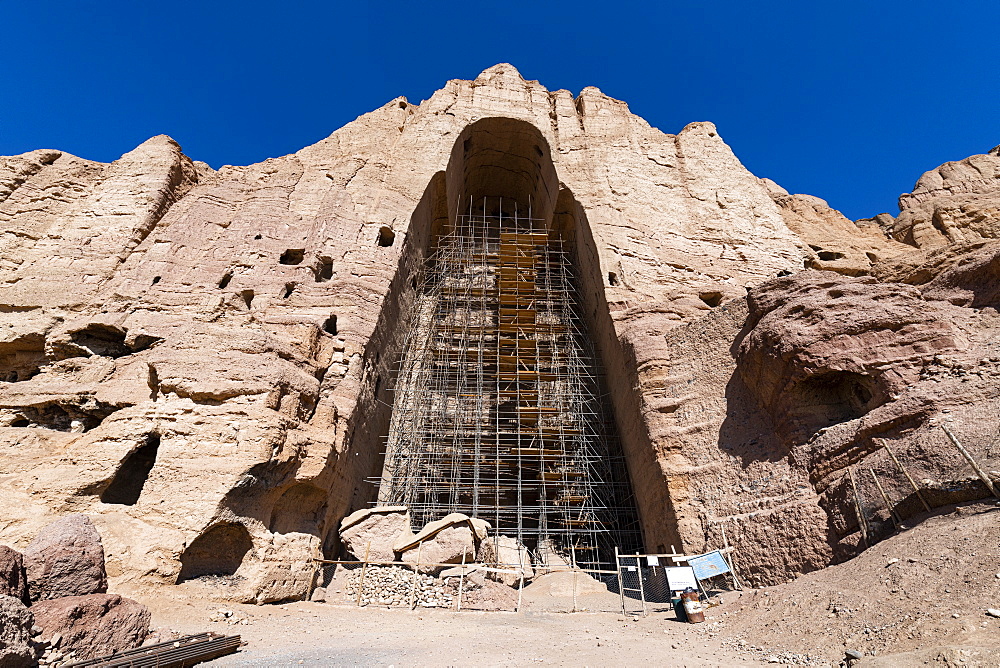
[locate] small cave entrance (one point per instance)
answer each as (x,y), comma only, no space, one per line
(299,509)
(831,398)
(218,551)
(127,483)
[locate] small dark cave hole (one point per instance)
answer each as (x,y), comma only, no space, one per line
(324,271)
(829,256)
(101,339)
(131,477)
(156,279)
(224,281)
(289,289)
(218,551)
(293,256)
(21,423)
(712,299)
(386,236)
(330,326)
(872,257)
(247,296)
(257,237)
(612,278)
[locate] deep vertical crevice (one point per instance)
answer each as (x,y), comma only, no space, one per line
(127,483)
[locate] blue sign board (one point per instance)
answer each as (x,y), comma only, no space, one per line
(708,565)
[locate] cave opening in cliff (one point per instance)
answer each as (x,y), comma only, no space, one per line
(500,410)
(127,483)
(218,551)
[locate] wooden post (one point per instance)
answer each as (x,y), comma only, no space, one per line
(621,585)
(364,567)
(972,461)
(862,520)
(416,575)
(896,520)
(907,474)
(461,583)
(575,571)
(732,553)
(520,585)
(642,589)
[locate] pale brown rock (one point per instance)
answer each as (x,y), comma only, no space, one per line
(16,621)
(374,531)
(839,244)
(93,625)
(450,540)
(66,558)
(958,202)
(13,579)
(201,359)
(505,552)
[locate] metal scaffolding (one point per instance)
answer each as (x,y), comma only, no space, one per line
(497,411)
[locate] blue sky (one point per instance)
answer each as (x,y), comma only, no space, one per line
(850,101)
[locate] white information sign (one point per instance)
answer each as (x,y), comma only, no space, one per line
(653,560)
(681,577)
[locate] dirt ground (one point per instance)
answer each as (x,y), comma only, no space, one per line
(916,599)
(919,596)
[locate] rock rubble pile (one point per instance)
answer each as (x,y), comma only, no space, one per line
(54,605)
(394,586)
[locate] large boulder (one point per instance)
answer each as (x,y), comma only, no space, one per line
(66,559)
(445,541)
(93,625)
(13,580)
(506,553)
(15,634)
(375,530)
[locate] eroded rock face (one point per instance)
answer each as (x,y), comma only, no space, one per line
(15,633)
(825,349)
(66,558)
(959,202)
(93,625)
(201,360)
(13,579)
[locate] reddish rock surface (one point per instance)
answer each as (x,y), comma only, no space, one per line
(93,625)
(13,579)
(66,558)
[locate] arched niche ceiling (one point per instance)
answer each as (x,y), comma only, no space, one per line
(502,157)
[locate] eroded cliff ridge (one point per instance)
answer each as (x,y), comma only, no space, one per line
(202,361)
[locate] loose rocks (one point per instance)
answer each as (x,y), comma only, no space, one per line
(392,585)
(66,559)
(15,633)
(93,625)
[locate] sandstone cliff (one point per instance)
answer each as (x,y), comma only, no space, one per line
(202,360)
